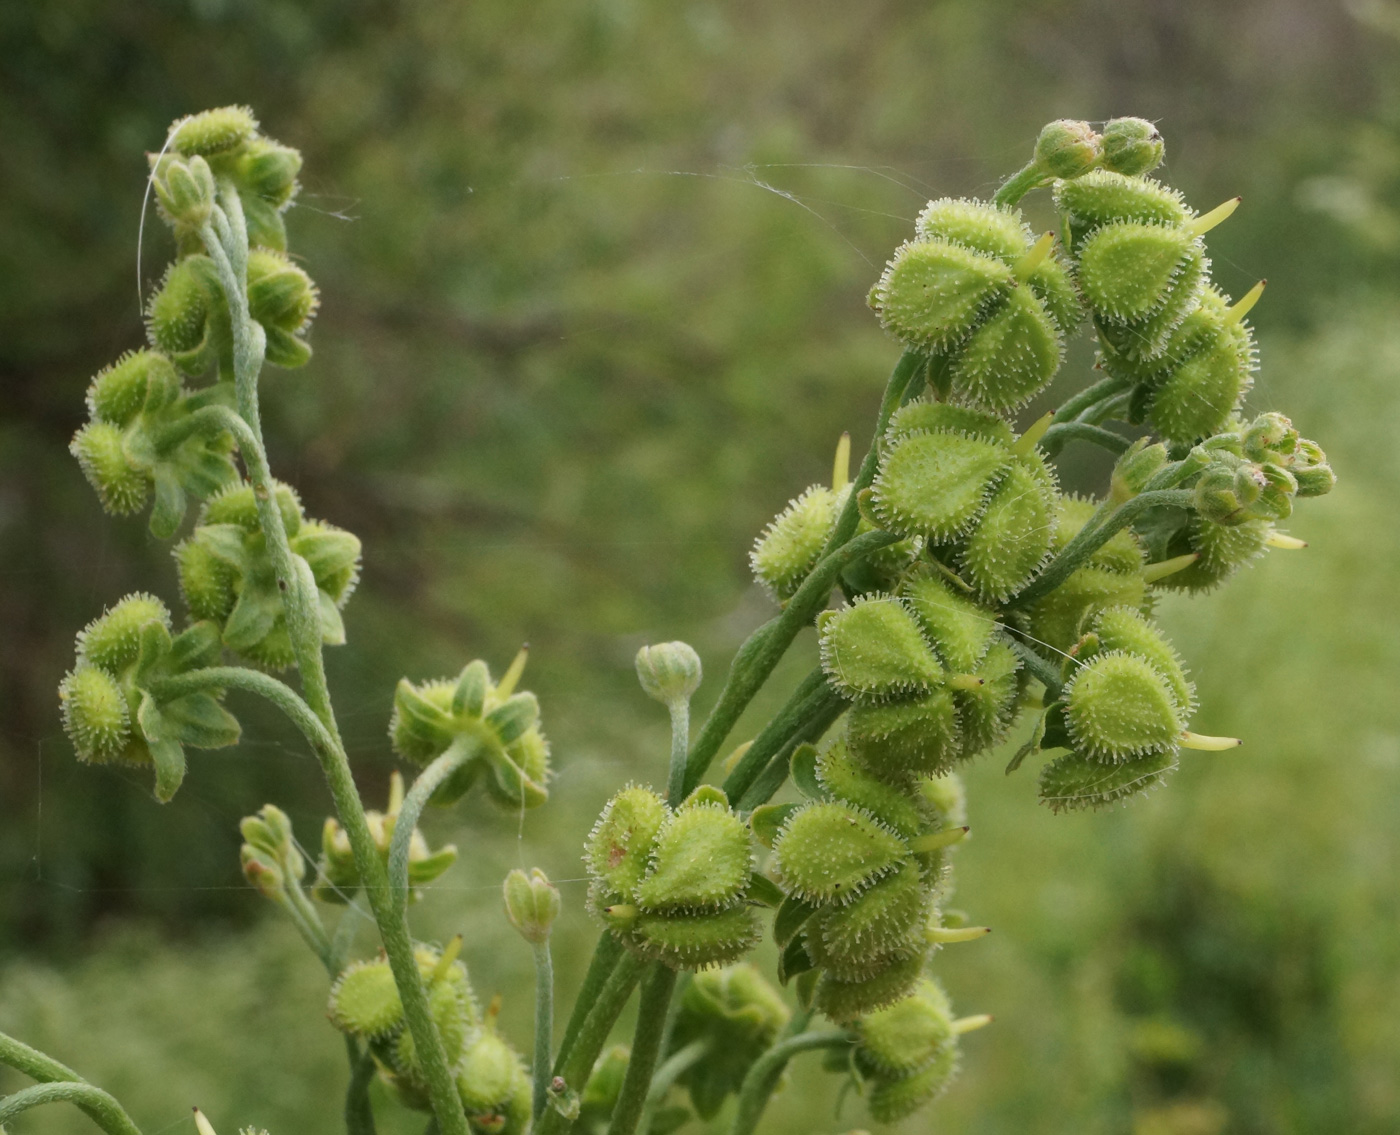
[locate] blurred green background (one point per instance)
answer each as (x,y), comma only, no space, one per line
(593,276)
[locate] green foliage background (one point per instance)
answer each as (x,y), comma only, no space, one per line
(593,276)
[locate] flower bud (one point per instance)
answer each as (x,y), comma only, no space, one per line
(532,904)
(1075,781)
(1119,706)
(186,191)
(1135,468)
(1132,146)
(1068,148)
(669,671)
(269,853)
(213,131)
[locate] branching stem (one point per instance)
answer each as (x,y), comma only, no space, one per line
(763,1077)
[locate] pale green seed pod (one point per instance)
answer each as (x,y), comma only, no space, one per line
(1129,631)
(891,1100)
(236,504)
(876,647)
(364,1001)
(118,392)
(935,484)
(933,292)
(1132,146)
(487,1077)
(1119,706)
(891,803)
(1130,270)
(903,1038)
(701,860)
(213,131)
(961,629)
(618,850)
(1013,354)
(1103,197)
(121,486)
(999,233)
(739,1015)
(188,317)
(923,416)
(828,852)
(282,297)
(1074,781)
(1012,539)
(787,550)
(696,941)
(96,715)
(845,1000)
(987,711)
(1222,551)
(669,671)
(885,921)
(113,640)
(899,739)
(1068,148)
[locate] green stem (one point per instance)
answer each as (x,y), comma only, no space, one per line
(1094,536)
(1106,408)
(672,1069)
(309,925)
(1071,408)
(680,747)
(544,1026)
(1061,434)
(1019,184)
(359,1114)
(646,1049)
(33,1063)
(763,1077)
(462,749)
(208,420)
(254,681)
(1042,671)
(101,1108)
(577,1062)
(774,735)
(826,707)
(764,649)
(606,956)
(300,604)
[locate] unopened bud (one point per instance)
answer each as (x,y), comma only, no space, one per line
(1068,148)
(669,671)
(186,190)
(1132,146)
(532,904)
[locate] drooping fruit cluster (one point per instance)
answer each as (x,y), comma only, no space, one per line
(673,883)
(113,710)
(491,725)
(492,1081)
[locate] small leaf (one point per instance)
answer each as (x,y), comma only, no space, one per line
(768,819)
(804,773)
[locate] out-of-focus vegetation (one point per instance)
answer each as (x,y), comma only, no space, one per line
(593,278)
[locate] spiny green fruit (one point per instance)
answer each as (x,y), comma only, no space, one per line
(618,849)
(925,416)
(112,641)
(1119,706)
(1222,550)
(487,1074)
(1011,541)
(696,941)
(789,547)
(282,297)
(892,804)
(1130,270)
(701,859)
(1068,148)
(1213,358)
(987,710)
(213,131)
(891,1100)
(1132,146)
(899,739)
(739,1015)
(96,716)
(1104,197)
(935,483)
(961,629)
(1075,781)
(496,727)
(1126,630)
(876,646)
(455,1021)
(954,292)
(844,1000)
(909,1035)
(828,851)
(886,920)
(118,392)
(121,487)
(188,316)
(365,1002)
(227,574)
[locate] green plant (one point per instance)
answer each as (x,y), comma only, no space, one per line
(974,591)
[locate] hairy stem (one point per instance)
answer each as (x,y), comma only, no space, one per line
(1042,671)
(544,1026)
(763,1077)
(33,1063)
(606,957)
(1094,536)
(101,1108)
(359,1114)
(680,747)
(227,244)
(462,749)
(1019,184)
(663,1079)
(826,706)
(774,735)
(646,1049)
(577,1062)
(1061,434)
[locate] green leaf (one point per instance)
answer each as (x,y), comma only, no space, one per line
(804,773)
